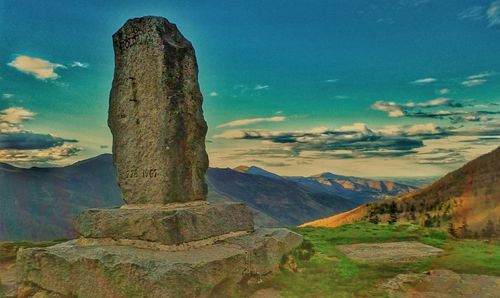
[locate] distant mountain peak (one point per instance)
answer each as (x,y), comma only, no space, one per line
(241,169)
(327,175)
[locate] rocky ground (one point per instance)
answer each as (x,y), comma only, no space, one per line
(442,284)
(8,279)
(377,261)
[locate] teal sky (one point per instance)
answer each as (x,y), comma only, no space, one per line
(356,87)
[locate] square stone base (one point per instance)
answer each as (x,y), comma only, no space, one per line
(168,226)
(73,270)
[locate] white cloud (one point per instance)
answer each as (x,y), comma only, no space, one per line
(79,64)
(474,13)
(444,91)
(260,87)
(474,82)
(41,69)
(331,81)
(243,122)
(480,76)
(424,81)
(7,95)
(16,115)
(493,14)
(213,94)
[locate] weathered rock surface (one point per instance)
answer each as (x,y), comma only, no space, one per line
(442,284)
(69,269)
(404,251)
(7,279)
(163,225)
(155,115)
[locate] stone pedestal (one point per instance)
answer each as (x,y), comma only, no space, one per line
(170,251)
(73,269)
(165,225)
(168,241)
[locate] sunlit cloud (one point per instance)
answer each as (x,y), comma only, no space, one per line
(390,107)
(213,94)
(358,138)
(7,95)
(439,156)
(40,68)
(20,146)
(38,156)
(16,115)
(243,122)
(405,145)
(394,109)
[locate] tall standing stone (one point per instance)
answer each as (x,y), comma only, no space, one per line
(155,115)
(150,248)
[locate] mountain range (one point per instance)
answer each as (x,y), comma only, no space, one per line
(40,203)
(466,201)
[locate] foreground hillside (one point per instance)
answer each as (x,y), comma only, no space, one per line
(40,203)
(329,273)
(322,270)
(465,201)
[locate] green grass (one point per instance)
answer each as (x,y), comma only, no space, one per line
(330,274)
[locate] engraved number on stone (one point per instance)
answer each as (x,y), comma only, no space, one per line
(146,173)
(149,173)
(132,173)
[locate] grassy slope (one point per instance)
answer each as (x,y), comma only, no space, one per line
(469,195)
(330,274)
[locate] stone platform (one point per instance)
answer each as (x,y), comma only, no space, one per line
(166,225)
(75,269)
(403,251)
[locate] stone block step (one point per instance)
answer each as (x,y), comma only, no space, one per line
(164,225)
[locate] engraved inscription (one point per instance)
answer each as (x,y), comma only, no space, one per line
(136,37)
(144,173)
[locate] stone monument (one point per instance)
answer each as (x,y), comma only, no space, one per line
(167,240)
